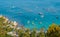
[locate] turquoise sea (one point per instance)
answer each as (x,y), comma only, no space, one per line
(31,13)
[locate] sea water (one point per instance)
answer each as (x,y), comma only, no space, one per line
(32,14)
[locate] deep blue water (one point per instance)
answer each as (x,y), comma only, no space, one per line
(31,13)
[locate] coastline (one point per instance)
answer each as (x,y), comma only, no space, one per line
(12,29)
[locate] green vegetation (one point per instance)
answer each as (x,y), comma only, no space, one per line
(53,31)
(7,29)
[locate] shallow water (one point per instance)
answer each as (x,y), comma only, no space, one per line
(32,14)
